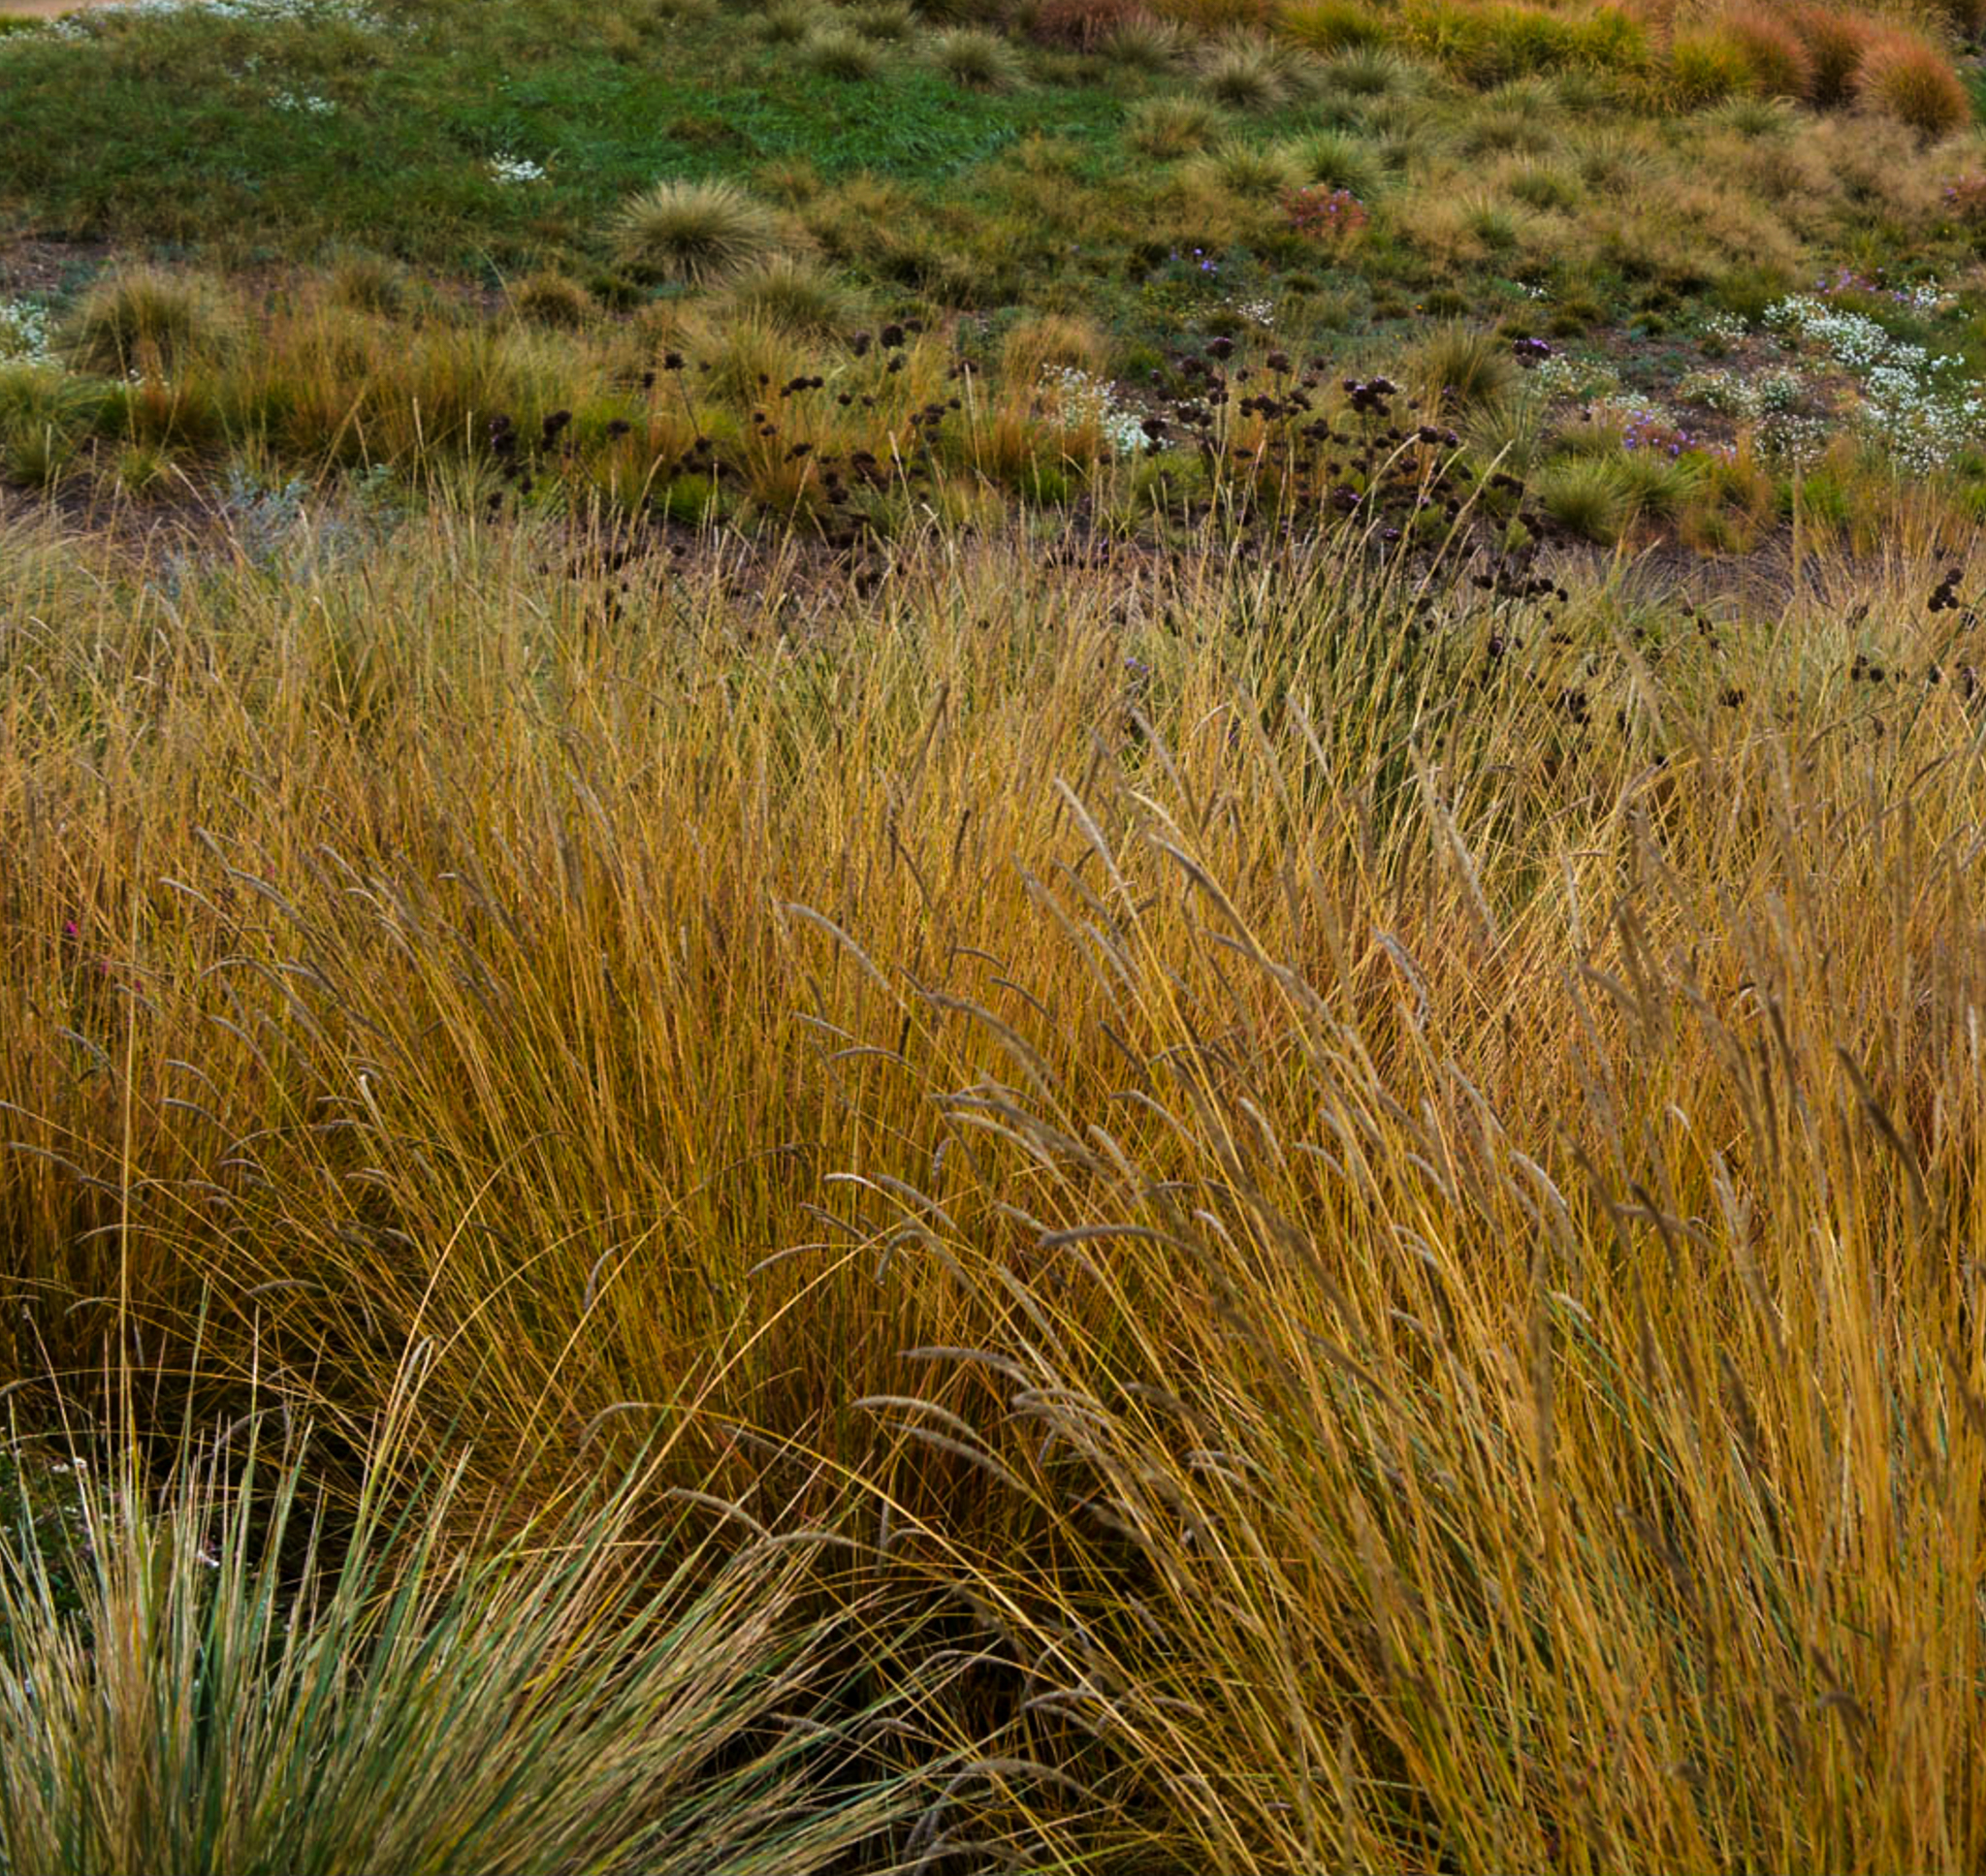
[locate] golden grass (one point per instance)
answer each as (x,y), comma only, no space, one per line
(1377,1205)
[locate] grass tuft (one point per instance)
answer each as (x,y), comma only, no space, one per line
(1168,128)
(794,295)
(235,1686)
(1143,44)
(1246,72)
(555,300)
(841,52)
(1908,79)
(1460,365)
(978,60)
(143,319)
(699,234)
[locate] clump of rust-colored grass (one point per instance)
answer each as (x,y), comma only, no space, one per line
(1835,42)
(1907,78)
(1371,1171)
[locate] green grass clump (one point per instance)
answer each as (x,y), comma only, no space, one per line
(840,52)
(1589,496)
(979,60)
(1171,127)
(550,298)
(1338,159)
(205,1678)
(699,234)
(794,295)
(790,22)
(884,20)
(1250,169)
(1326,26)
(1373,72)
(1460,366)
(1145,44)
(1246,72)
(1708,64)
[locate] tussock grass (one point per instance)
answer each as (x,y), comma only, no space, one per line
(794,293)
(1052,1088)
(979,60)
(214,1674)
(698,233)
(1165,128)
(1380,1193)
(1460,365)
(1145,44)
(1911,82)
(1338,159)
(1248,72)
(1246,168)
(143,319)
(841,52)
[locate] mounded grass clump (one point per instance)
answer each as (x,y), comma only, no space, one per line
(369,282)
(556,299)
(1373,72)
(1086,26)
(1052,342)
(1654,483)
(887,21)
(1755,118)
(699,234)
(840,52)
(1835,42)
(1460,365)
(1246,72)
(1906,79)
(1540,184)
(1708,64)
(1248,169)
(1338,159)
(1328,26)
(1588,497)
(976,59)
(794,293)
(1143,44)
(1171,127)
(140,317)
(790,22)
(210,1676)
(1779,62)
(1506,434)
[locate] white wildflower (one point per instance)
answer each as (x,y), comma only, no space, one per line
(24,332)
(1082,400)
(1566,375)
(1923,409)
